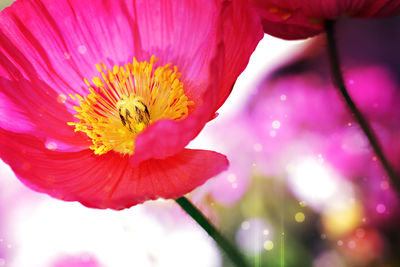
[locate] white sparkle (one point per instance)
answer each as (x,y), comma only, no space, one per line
(67,56)
(82,49)
(245,225)
(51,145)
(384,185)
(351,244)
(276,124)
(257,147)
(61,98)
(380,208)
(231,177)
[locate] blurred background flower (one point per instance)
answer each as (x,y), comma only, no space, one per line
(303,187)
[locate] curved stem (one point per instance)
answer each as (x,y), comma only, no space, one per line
(362,121)
(230,250)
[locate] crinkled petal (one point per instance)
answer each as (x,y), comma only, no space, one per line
(241,33)
(11,117)
(50,46)
(234,48)
(46,50)
(22,110)
(107,181)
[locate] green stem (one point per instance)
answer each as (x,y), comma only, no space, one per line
(365,126)
(230,250)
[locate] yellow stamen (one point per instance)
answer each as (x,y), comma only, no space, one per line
(125,100)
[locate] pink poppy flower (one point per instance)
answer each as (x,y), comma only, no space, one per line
(99,98)
(297,19)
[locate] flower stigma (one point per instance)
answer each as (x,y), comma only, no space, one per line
(124,101)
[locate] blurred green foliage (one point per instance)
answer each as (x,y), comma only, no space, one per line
(269,199)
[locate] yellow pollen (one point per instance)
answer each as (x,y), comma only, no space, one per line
(284,14)
(125,100)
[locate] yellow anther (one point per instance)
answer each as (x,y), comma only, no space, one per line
(125,101)
(133,113)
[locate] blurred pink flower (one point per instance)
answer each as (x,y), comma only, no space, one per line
(76,261)
(305,107)
(228,187)
(296,19)
(129,143)
(301,115)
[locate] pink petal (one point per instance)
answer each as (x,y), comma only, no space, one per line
(48,47)
(296,19)
(12,118)
(165,138)
(107,181)
(23,110)
(241,33)
(290,31)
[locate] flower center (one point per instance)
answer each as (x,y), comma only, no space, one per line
(133,113)
(124,101)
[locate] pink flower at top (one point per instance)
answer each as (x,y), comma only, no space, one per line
(98,99)
(297,19)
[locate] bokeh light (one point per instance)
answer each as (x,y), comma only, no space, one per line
(254,235)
